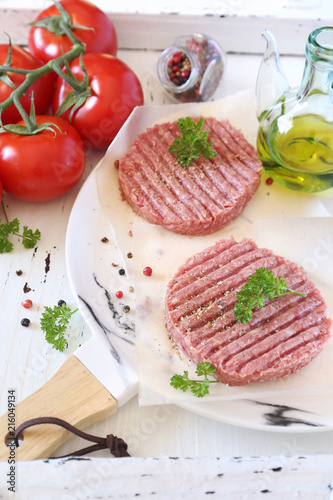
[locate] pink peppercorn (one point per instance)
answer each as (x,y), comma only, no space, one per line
(147,271)
(177,57)
(27,303)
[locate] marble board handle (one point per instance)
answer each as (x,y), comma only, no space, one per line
(72,394)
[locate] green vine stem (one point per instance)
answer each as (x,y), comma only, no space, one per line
(33,75)
(55,65)
(4,211)
(29,124)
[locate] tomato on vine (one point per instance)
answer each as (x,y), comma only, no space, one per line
(41,166)
(113,91)
(42,89)
(48,39)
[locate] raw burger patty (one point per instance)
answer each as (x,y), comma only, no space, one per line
(281,338)
(195,201)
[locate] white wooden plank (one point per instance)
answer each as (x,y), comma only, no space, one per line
(150,31)
(306,477)
(235,34)
(280,8)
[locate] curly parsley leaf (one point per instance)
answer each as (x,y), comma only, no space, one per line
(198,387)
(54,322)
(192,143)
(261,286)
(6,229)
(29,237)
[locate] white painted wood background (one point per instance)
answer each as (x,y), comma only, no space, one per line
(274,478)
(283,8)
(235,24)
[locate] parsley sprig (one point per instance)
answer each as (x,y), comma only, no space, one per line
(199,387)
(28,236)
(54,322)
(261,286)
(192,143)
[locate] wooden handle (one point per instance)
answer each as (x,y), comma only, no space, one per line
(72,394)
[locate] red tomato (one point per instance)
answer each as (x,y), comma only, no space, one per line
(116,91)
(42,89)
(100,37)
(44,166)
(0,192)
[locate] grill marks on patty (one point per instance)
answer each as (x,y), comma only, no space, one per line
(282,337)
(200,199)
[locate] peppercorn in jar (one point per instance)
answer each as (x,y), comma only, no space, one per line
(191,69)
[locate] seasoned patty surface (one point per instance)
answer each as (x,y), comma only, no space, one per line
(195,201)
(281,338)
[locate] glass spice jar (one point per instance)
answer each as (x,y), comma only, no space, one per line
(191,69)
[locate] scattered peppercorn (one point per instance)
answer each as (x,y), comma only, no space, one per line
(114,265)
(131,289)
(126,309)
(121,272)
(61,302)
(119,294)
(105,240)
(27,303)
(147,271)
(130,233)
(19,272)
(25,322)
(129,255)
(269,181)
(116,164)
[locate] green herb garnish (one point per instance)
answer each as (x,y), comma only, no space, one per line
(54,322)
(199,387)
(260,287)
(192,143)
(29,237)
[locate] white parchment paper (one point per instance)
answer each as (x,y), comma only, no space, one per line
(306,241)
(295,225)
(239,109)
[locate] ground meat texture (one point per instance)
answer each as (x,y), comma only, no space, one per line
(281,338)
(195,201)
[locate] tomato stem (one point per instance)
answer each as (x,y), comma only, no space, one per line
(4,210)
(5,69)
(33,75)
(30,125)
(70,79)
(59,25)
(64,26)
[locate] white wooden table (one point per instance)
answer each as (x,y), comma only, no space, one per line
(27,361)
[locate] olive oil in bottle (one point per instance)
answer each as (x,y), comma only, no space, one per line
(297,152)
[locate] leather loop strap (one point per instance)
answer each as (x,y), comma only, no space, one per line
(117,446)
